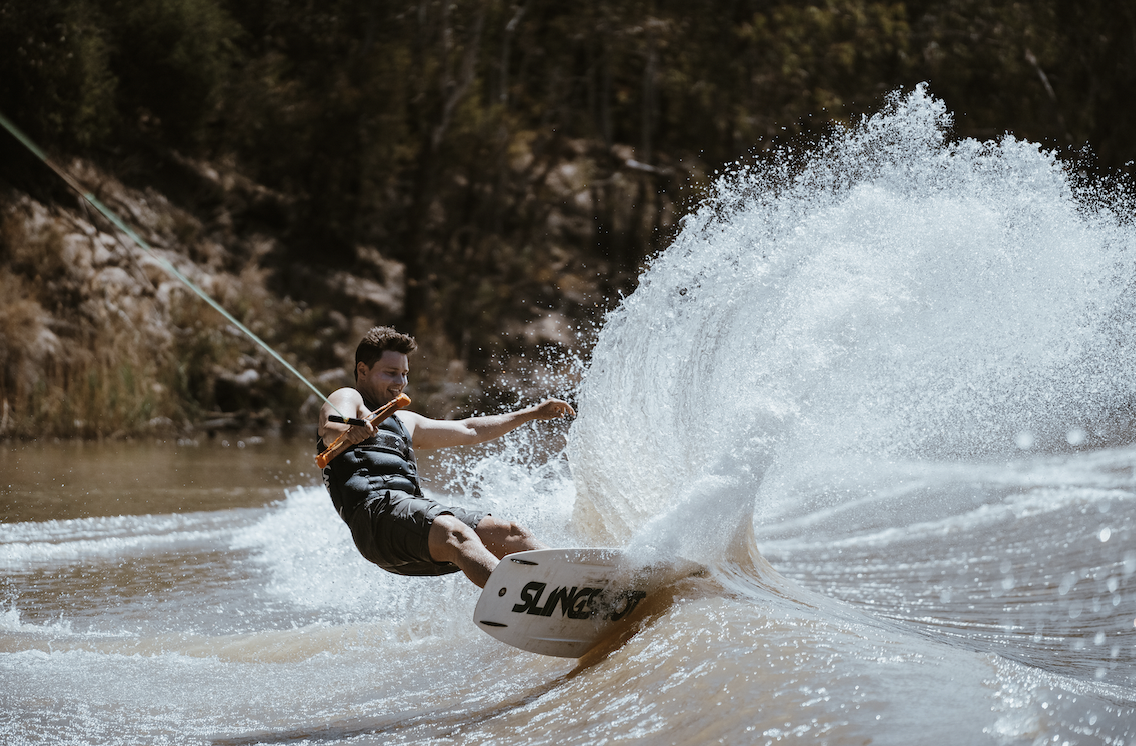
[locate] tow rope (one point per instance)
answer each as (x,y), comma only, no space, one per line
(167,266)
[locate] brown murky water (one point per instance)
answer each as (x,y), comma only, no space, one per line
(156,593)
(873,392)
(64,479)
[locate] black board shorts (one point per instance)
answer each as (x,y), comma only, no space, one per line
(392,530)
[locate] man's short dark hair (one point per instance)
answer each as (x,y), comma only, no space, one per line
(377,341)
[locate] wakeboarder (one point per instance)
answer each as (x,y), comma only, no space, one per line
(374,484)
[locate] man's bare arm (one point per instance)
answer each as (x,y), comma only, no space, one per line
(429,434)
(348,403)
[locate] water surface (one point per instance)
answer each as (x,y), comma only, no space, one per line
(880,389)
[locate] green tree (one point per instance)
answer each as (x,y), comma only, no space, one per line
(174,59)
(55,75)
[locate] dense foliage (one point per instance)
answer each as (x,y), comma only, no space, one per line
(436,133)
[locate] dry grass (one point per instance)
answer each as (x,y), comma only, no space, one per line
(62,380)
(69,367)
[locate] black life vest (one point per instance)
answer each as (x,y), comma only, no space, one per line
(362,472)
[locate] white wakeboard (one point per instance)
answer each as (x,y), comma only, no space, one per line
(558,601)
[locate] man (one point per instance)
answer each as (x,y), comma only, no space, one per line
(374,484)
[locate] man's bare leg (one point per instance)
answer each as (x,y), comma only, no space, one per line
(505,537)
(450,540)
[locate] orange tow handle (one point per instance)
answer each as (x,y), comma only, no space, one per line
(340,445)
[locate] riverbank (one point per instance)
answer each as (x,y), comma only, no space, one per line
(100,341)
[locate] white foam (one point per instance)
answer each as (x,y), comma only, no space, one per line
(65,542)
(1024,505)
(890,295)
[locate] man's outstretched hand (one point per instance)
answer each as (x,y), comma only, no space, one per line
(550,409)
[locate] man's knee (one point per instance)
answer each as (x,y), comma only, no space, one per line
(450,536)
(497,529)
(506,537)
(514,530)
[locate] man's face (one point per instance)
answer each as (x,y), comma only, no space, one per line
(384,380)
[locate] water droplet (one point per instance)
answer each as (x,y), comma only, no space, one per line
(1024,440)
(1105,534)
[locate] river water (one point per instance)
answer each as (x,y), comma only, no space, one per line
(880,388)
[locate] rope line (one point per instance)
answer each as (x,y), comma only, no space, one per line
(166,265)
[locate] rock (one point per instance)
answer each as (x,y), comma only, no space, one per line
(385,298)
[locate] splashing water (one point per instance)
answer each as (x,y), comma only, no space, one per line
(895,363)
(889,295)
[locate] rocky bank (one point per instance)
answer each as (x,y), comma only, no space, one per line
(98,339)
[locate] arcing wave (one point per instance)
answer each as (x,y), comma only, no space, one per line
(890,294)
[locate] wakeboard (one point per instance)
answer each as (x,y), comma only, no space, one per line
(559,602)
